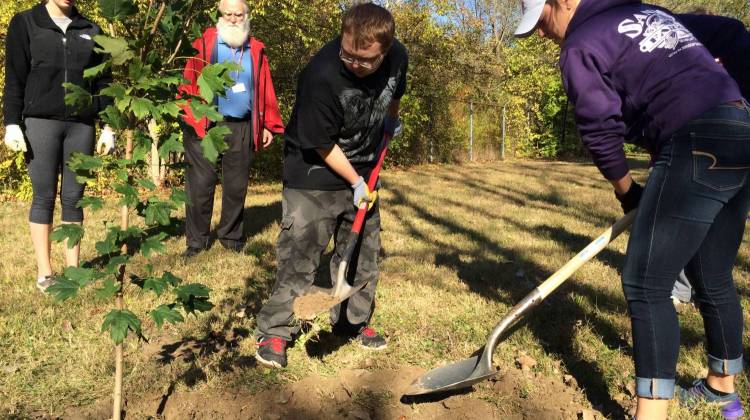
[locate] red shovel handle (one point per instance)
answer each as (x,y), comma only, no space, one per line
(359,219)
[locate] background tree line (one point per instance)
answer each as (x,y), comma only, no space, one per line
(462,52)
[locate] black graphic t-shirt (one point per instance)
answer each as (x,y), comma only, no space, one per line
(334,106)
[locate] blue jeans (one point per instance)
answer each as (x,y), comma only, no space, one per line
(692,214)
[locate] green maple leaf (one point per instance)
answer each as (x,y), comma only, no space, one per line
(154,284)
(165,313)
(119,322)
(170,279)
(83,276)
(84,166)
(170,108)
(113,117)
(158,212)
(129,194)
(116,47)
(114,263)
(194,297)
(178,196)
(171,144)
(95,71)
(73,232)
(63,288)
(76,96)
(213,143)
(115,90)
(214,79)
(142,107)
(109,288)
(153,245)
(201,110)
(94,203)
(130,232)
(147,184)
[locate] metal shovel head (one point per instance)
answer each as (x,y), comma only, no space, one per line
(454,376)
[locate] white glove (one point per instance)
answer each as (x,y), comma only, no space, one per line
(106,143)
(14,138)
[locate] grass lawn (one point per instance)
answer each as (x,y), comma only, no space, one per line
(461,245)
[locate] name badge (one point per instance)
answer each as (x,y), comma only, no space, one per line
(238,88)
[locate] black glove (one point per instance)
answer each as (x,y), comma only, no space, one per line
(630,199)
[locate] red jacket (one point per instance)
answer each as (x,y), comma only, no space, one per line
(265,107)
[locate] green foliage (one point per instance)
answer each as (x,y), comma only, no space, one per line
(165,313)
(213,143)
(146,73)
(71,232)
(119,322)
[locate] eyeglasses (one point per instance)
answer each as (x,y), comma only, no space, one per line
(365,63)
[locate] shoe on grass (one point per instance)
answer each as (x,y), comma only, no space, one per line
(370,339)
(271,352)
(192,251)
(731,407)
(42,283)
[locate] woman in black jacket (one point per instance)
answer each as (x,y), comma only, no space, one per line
(46,46)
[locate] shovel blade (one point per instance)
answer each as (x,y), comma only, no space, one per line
(451,377)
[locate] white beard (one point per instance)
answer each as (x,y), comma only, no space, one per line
(233,35)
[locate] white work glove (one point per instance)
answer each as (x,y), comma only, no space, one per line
(14,138)
(106,143)
(362,194)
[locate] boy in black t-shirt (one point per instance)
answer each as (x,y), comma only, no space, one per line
(347,98)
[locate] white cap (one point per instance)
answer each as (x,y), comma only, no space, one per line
(532,11)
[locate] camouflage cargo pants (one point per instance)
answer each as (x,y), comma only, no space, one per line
(310,218)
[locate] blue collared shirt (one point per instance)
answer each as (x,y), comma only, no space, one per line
(238,102)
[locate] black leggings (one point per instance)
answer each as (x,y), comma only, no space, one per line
(52,142)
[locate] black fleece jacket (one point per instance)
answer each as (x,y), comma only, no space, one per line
(39,58)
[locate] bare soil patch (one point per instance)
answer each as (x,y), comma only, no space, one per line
(360,394)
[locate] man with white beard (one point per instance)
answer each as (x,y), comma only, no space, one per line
(250,111)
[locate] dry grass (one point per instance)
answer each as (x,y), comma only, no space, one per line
(461,245)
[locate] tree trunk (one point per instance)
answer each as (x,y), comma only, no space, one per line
(156,162)
(124,211)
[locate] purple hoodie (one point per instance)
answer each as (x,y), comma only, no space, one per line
(726,39)
(634,72)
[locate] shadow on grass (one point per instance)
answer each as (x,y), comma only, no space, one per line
(258,218)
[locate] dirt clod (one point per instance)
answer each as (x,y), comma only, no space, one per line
(525,362)
(308,306)
(586,415)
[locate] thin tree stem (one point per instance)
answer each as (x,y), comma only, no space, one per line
(119,304)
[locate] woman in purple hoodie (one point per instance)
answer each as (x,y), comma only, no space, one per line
(635,73)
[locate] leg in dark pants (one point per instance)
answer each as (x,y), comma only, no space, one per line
(200,183)
(235,166)
(356,311)
(692,214)
(308,222)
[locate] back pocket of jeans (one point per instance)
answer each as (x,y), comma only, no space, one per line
(721,163)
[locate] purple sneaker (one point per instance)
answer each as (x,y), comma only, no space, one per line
(731,407)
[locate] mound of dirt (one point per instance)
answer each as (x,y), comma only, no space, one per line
(358,394)
(308,306)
